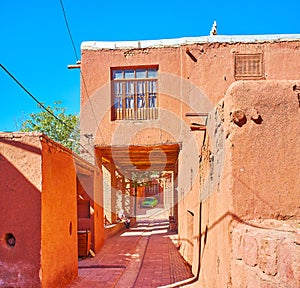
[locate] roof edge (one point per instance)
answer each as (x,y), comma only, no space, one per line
(114,45)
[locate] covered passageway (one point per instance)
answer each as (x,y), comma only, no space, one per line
(134,172)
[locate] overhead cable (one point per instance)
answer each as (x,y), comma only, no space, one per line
(77,60)
(43,106)
(36,100)
(68,28)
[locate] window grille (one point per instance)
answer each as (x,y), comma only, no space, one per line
(248,66)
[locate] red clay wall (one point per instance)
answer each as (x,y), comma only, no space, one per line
(85,192)
(265,183)
(249,222)
(39,208)
(98,210)
(186,85)
(59,216)
(96,70)
(182,83)
(89,188)
(266,253)
(20,209)
(266,158)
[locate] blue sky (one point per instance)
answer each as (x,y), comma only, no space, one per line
(35,45)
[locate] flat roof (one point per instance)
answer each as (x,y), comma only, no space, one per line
(96,45)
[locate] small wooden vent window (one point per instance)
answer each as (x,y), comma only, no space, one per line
(248,66)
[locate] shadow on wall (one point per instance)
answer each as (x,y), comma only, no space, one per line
(34,230)
(20,233)
(234,218)
(22,145)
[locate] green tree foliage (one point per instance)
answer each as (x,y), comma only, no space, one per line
(64,131)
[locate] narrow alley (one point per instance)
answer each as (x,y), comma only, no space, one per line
(145,255)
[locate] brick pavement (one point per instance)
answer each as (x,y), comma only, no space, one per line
(142,256)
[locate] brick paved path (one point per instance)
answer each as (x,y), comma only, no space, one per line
(142,256)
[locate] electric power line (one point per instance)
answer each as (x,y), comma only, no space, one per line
(43,106)
(68,28)
(77,59)
(36,100)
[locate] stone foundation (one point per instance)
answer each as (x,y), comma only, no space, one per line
(266,254)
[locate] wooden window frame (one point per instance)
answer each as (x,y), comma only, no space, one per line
(129,103)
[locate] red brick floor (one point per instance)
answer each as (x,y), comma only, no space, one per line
(142,256)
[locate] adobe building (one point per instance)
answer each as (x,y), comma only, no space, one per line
(248,212)
(38,199)
(215,120)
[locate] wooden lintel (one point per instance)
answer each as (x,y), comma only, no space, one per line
(198,128)
(140,158)
(196,114)
(188,52)
(76,66)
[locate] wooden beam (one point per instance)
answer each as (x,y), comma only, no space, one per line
(76,66)
(138,157)
(196,114)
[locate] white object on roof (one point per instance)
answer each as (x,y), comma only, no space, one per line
(213,30)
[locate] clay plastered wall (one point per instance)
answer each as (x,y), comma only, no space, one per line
(263,135)
(188,228)
(266,253)
(212,216)
(99,210)
(265,148)
(98,226)
(85,191)
(20,209)
(186,84)
(59,216)
(96,70)
(90,188)
(259,180)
